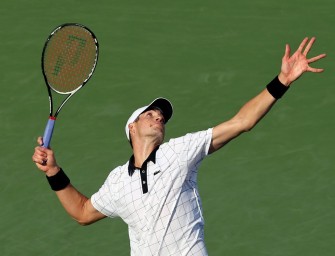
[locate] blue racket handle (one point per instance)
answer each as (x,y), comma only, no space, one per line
(48,131)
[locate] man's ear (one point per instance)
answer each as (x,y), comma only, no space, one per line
(131,127)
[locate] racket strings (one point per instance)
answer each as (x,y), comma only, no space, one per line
(69,58)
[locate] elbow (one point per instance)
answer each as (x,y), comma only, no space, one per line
(242,124)
(83,222)
(247,126)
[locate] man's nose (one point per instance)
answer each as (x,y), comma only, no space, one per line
(160,118)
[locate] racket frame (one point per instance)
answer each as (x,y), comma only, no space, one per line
(53,116)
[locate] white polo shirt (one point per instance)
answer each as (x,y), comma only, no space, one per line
(160,201)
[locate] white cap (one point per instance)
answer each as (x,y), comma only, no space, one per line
(163,104)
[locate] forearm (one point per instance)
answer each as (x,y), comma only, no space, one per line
(77,205)
(254,110)
(247,117)
(73,202)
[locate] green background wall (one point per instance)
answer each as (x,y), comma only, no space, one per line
(270,192)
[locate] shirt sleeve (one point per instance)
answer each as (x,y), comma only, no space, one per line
(104,199)
(192,148)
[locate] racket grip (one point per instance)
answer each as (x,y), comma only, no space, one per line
(48,131)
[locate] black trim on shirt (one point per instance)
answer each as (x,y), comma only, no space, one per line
(142,169)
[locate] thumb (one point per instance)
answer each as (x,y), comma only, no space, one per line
(40,141)
(287,52)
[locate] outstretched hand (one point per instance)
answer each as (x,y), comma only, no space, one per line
(294,66)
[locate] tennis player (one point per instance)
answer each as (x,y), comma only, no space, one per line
(155,192)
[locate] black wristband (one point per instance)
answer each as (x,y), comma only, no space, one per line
(59,181)
(276,88)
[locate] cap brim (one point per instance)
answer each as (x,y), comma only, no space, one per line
(164,105)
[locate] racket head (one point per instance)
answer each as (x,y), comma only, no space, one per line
(69,57)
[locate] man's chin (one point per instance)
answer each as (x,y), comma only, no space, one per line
(160,137)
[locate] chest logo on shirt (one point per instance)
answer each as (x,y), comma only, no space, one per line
(156,172)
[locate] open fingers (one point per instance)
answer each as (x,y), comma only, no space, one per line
(311,60)
(316,58)
(315,70)
(309,46)
(302,44)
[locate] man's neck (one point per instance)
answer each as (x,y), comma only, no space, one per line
(141,151)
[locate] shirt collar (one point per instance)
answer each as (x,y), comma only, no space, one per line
(132,167)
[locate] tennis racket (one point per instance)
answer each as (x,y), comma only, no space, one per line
(69,58)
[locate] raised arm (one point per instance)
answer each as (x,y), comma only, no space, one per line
(78,206)
(254,110)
